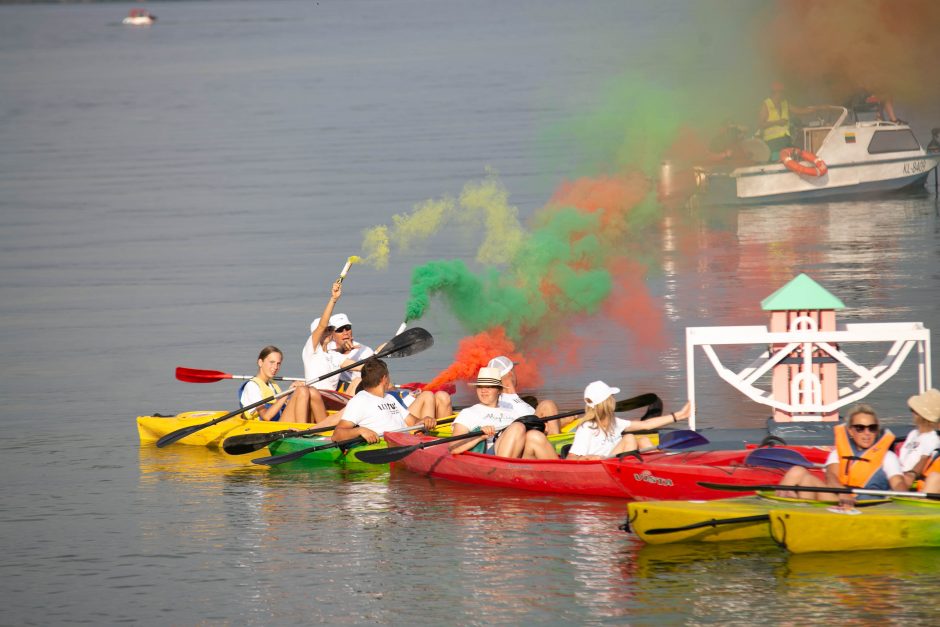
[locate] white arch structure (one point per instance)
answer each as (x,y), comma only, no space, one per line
(805,391)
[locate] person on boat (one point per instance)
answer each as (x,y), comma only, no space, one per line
(343,343)
(509,397)
(304,404)
(934,145)
(602,434)
(864,101)
(488,416)
(862,458)
(921,444)
(931,481)
(373,411)
(774,120)
(317,357)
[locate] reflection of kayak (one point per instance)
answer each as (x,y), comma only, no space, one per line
(581,477)
(139,17)
(674,475)
(152,428)
(902,523)
(859,564)
(723,520)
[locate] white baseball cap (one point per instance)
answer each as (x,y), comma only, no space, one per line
(597,392)
(501,363)
(339,320)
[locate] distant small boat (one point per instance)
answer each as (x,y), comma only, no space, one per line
(139,17)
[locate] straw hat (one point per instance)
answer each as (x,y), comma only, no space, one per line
(488,377)
(927,405)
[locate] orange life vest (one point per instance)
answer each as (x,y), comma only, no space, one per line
(855,471)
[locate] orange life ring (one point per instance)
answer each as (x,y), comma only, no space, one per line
(818,167)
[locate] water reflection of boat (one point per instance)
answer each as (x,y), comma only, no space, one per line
(139,17)
(837,156)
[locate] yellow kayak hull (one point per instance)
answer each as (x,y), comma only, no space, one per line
(903,523)
(152,428)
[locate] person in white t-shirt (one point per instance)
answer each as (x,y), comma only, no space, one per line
(343,343)
(922,442)
(304,404)
(489,416)
(318,359)
(510,399)
(602,434)
(372,411)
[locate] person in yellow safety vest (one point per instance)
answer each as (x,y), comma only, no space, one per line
(861,459)
(774,120)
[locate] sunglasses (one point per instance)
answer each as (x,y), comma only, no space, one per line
(345,327)
(861,428)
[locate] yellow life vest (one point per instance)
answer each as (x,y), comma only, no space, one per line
(778,130)
(266,391)
(856,470)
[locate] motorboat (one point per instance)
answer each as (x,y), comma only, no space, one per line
(139,17)
(837,154)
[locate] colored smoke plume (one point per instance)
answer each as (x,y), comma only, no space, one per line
(888,46)
(476,351)
(375,246)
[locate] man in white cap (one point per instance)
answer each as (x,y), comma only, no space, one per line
(344,344)
(317,357)
(921,444)
(510,399)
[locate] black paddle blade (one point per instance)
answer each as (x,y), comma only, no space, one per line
(179,434)
(654,410)
(387,456)
(251,442)
(643,400)
(412,341)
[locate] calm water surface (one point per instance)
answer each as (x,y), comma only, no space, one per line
(184,194)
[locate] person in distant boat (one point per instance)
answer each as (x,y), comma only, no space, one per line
(922,443)
(489,415)
(510,399)
(862,458)
(373,411)
(774,120)
(864,101)
(602,434)
(934,145)
(302,405)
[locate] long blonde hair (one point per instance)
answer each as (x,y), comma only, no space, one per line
(601,415)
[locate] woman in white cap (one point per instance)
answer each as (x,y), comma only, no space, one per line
(602,434)
(489,416)
(922,442)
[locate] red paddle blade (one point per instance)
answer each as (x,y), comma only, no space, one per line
(193,375)
(417,386)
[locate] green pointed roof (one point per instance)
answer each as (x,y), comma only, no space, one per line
(802,293)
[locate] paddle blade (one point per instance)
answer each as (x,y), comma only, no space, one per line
(178,435)
(251,442)
(386,456)
(412,341)
(777,458)
(643,400)
(654,410)
(192,375)
(681,439)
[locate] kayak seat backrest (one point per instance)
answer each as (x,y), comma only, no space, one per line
(563,453)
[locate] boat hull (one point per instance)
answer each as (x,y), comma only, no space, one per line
(152,428)
(583,478)
(751,513)
(675,476)
(330,456)
(903,523)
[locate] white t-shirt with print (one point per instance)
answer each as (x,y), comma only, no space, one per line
(481,415)
(318,362)
(590,440)
(515,404)
(378,413)
(916,445)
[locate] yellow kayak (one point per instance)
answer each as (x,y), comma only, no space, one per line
(903,523)
(152,428)
(722,520)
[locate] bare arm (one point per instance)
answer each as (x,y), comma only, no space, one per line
(660,421)
(346,430)
(461,446)
(317,334)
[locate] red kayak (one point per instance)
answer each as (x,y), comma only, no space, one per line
(675,475)
(585,478)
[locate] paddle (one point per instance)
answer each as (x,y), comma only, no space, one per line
(387,456)
(273,460)
(196,375)
(412,341)
(678,439)
(251,442)
(781,458)
(934,496)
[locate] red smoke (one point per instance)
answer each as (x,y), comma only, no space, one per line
(476,351)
